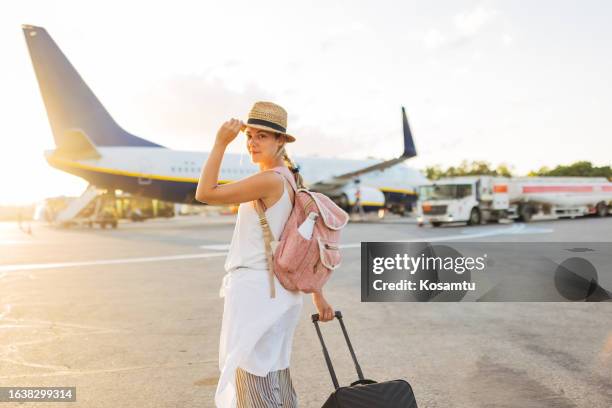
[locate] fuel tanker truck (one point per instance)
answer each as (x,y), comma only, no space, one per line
(479,199)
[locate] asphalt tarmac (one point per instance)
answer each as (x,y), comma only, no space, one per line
(131,318)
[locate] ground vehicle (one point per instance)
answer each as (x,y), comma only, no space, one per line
(477,199)
(100,212)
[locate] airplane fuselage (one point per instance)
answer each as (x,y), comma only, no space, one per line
(173,175)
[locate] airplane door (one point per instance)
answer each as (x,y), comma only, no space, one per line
(144,170)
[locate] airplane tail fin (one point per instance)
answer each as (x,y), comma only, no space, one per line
(409,147)
(72,108)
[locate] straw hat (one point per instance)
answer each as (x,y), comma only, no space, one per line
(269,116)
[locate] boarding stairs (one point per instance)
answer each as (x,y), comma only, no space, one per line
(77,205)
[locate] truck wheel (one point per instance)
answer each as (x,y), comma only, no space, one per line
(524,213)
(474,217)
(436,224)
(602,209)
(502,215)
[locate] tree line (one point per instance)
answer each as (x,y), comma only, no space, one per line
(483,168)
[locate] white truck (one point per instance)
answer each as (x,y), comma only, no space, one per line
(478,199)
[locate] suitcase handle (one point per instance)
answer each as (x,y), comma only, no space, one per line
(338,315)
(364,382)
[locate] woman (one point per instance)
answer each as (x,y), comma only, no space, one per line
(257,329)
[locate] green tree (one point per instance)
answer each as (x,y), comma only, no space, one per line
(465,168)
(577,169)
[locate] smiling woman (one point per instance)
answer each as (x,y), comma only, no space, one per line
(259,314)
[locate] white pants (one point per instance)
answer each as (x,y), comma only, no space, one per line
(256,331)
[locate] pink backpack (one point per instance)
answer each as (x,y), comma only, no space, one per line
(298,263)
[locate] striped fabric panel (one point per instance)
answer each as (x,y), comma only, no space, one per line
(272,391)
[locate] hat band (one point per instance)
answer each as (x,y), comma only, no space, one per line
(266,123)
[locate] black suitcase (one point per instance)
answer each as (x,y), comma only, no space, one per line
(364,393)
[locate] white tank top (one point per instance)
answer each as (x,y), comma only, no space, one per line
(247,248)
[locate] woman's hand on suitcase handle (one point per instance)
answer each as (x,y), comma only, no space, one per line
(326,312)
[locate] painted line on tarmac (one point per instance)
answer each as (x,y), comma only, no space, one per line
(514,229)
(67,372)
(17,242)
(5,311)
(28,267)
(218,247)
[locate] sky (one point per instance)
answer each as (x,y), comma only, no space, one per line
(527,84)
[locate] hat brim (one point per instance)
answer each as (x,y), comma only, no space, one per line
(290,138)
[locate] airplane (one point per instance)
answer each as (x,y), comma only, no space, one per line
(91,145)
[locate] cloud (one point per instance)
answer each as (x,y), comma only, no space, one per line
(464,28)
(337,34)
(469,23)
(434,39)
(184,109)
(184,112)
(310,140)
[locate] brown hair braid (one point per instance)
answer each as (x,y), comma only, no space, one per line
(291,165)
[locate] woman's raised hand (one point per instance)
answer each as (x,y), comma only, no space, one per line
(228,131)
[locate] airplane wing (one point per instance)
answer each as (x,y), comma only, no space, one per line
(342,179)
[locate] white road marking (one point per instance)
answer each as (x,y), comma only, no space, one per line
(27,267)
(15,242)
(514,229)
(67,372)
(218,247)
(6,311)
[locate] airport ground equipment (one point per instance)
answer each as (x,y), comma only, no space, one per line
(76,205)
(364,393)
(479,199)
(91,208)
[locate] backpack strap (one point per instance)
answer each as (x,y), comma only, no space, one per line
(268,238)
(270,243)
(291,179)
